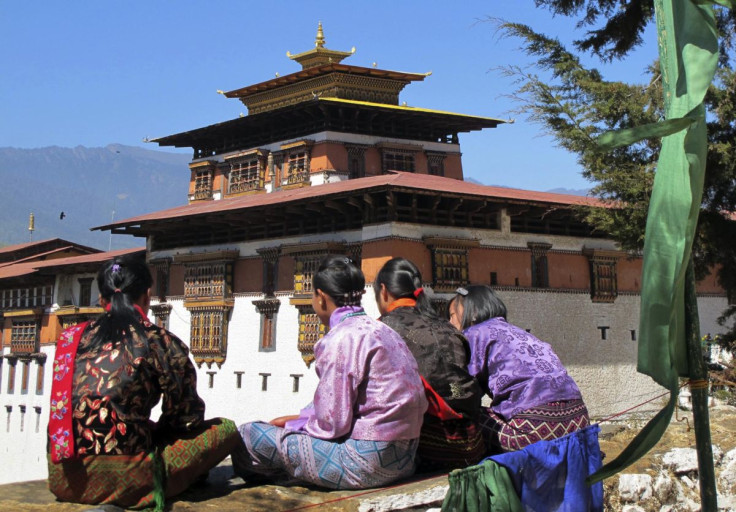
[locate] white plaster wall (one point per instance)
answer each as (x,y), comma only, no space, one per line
(23,437)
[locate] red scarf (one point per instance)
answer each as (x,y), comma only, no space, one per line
(61,437)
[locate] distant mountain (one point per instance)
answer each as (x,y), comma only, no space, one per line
(91,186)
(567,191)
(571,191)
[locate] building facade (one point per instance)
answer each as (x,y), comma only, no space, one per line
(45,287)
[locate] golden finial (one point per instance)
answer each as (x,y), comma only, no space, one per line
(31,225)
(320,41)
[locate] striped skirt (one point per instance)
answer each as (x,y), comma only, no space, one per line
(542,423)
(351,464)
(449,444)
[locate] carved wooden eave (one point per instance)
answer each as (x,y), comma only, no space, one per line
(203,257)
(268,306)
(603,255)
(14,357)
(451,243)
(318,247)
(195,304)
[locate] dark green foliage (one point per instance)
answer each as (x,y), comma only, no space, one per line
(576,104)
(616,26)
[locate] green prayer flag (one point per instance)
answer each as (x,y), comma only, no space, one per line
(688,50)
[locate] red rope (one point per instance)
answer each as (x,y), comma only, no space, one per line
(371,491)
(639,405)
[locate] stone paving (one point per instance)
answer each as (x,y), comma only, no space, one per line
(226,493)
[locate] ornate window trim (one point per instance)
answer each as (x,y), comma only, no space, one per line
(311,330)
(296,163)
(450,267)
(246,172)
(208,285)
(603,274)
(307,259)
(203,176)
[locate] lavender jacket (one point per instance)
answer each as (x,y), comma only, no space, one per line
(369,385)
(516,369)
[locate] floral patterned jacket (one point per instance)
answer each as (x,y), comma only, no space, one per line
(116,385)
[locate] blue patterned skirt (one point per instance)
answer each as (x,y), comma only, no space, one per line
(350,464)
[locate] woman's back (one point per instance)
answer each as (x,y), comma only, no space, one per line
(442,354)
(116,384)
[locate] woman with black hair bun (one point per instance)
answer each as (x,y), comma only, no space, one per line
(532,396)
(363,425)
(108,374)
(450,436)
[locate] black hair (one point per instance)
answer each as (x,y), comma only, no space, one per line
(403,280)
(121,281)
(480,303)
(341,279)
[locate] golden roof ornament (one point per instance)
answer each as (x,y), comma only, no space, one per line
(320,41)
(319,55)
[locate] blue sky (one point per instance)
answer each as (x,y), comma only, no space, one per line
(92,73)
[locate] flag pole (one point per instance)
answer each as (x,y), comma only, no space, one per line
(699,392)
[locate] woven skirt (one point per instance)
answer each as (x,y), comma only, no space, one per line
(545,422)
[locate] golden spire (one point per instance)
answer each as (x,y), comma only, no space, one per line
(31,223)
(320,41)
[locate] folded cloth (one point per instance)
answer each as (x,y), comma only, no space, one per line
(550,475)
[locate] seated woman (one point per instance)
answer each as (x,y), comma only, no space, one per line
(108,374)
(450,436)
(363,428)
(532,396)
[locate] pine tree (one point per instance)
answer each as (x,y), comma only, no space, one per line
(618,25)
(575,105)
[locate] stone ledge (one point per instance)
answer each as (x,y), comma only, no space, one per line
(227,493)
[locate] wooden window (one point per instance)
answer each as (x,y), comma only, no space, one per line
(203,184)
(85,292)
(539,267)
(311,330)
(356,161)
(436,163)
(162,269)
(208,280)
(246,175)
(37,296)
(25,376)
(297,170)
(39,378)
(398,161)
(11,378)
(208,334)
(449,268)
(306,267)
(268,308)
(24,337)
(603,280)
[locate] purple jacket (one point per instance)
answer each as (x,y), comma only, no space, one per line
(369,385)
(516,369)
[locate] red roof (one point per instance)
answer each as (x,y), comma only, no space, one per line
(396,180)
(319,71)
(31,267)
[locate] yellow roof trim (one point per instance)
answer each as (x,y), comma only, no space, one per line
(409,109)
